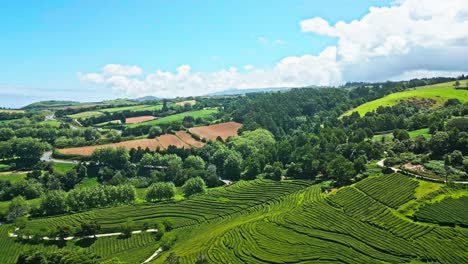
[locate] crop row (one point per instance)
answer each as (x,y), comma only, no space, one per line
(449,211)
(392,190)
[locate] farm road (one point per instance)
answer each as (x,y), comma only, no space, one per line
(380,163)
(96,236)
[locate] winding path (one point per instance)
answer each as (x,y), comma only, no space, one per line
(47,156)
(155,254)
(96,236)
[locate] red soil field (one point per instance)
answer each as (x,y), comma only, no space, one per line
(181,139)
(152,144)
(187,138)
(224,130)
(138,119)
(168,140)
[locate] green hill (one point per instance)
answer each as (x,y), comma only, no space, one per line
(437,93)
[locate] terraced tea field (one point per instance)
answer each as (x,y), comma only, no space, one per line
(276,222)
(449,211)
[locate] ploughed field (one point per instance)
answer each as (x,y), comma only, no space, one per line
(181,139)
(223,130)
(264,221)
(139,119)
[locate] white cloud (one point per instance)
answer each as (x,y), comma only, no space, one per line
(248,67)
(410,38)
(280,42)
(122,70)
(262,40)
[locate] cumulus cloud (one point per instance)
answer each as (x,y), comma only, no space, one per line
(410,38)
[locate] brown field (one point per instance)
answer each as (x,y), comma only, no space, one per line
(168,140)
(187,138)
(181,139)
(152,144)
(224,130)
(138,119)
(192,102)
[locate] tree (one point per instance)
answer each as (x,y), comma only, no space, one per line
(401,134)
(6,134)
(127,229)
(64,231)
(54,202)
(172,259)
(194,162)
(252,169)
(456,84)
(232,166)
(456,158)
(341,169)
(160,191)
(89,229)
(194,186)
(18,207)
(154,131)
(29,150)
(439,144)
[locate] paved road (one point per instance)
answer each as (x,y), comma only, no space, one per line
(47,156)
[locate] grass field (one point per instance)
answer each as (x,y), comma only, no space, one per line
(178,117)
(413,134)
(12,177)
(11,111)
(276,222)
(113,122)
(118,109)
(438,92)
(86,114)
(62,167)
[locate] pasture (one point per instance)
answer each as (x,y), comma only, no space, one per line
(12,176)
(190,102)
(86,114)
(440,93)
(413,134)
(11,111)
(179,117)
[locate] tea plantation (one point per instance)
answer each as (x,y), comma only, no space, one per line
(266,221)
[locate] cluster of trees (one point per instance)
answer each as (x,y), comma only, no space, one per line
(57,202)
(39,181)
(58,257)
(22,151)
(4,115)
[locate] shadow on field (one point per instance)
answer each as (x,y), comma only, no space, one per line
(85,242)
(58,243)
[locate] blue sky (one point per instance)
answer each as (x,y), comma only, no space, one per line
(46,44)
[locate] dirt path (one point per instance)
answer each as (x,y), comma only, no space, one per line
(155,254)
(96,236)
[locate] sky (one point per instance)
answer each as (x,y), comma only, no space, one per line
(93,50)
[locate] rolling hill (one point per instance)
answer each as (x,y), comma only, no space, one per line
(437,94)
